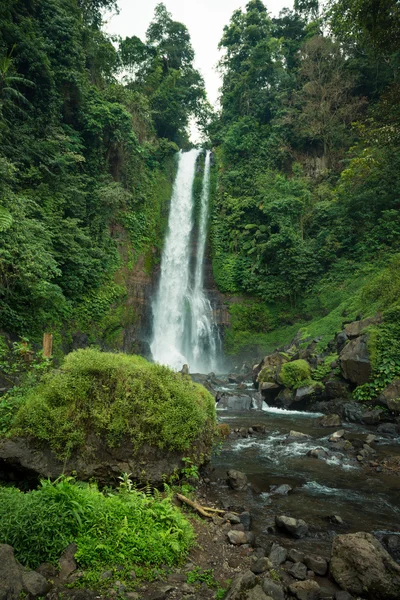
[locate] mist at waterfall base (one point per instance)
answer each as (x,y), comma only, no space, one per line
(183,328)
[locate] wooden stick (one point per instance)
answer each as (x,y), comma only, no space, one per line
(203,510)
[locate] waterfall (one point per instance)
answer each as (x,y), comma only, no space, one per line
(183,329)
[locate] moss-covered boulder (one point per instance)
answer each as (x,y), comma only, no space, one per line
(101,414)
(295,374)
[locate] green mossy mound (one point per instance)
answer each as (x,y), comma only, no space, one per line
(115,397)
(295,374)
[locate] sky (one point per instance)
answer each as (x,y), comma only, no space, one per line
(205,20)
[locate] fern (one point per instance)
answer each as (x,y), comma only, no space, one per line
(6,219)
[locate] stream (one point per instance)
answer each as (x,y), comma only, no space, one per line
(321,487)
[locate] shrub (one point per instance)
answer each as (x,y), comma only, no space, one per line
(115,396)
(294,374)
(125,527)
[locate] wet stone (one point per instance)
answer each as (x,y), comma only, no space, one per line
(316,564)
(298,571)
(295,555)
(260,565)
(278,554)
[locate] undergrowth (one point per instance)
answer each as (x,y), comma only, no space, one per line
(124,526)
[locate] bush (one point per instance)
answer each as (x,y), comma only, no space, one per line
(295,374)
(125,527)
(115,396)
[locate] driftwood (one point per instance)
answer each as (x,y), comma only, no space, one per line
(205,511)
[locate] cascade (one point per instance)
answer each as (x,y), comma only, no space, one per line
(183,329)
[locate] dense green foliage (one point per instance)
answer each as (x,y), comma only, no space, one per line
(83,157)
(123,527)
(116,397)
(307,209)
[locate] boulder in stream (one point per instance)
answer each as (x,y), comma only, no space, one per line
(294,527)
(361,566)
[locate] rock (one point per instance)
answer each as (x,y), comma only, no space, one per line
(10,574)
(161,592)
(352,411)
(237,480)
(237,538)
(245,519)
(298,571)
(355,329)
(305,590)
(235,402)
(307,392)
(106,575)
(337,388)
(268,368)
(295,555)
(343,596)
(233,519)
(340,340)
(282,490)
(317,453)
(354,361)
(337,435)
(277,554)
(362,567)
(336,519)
(295,527)
(269,391)
(250,538)
(316,564)
(240,584)
(371,417)
(256,594)
(298,434)
(390,396)
(34,584)
(67,562)
(47,570)
(370,439)
(273,589)
(332,420)
(260,565)
(285,398)
(388,428)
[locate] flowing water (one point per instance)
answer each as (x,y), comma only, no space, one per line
(183,328)
(335,485)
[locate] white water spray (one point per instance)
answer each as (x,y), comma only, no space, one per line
(182,315)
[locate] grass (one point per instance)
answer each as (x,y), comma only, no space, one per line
(123,527)
(115,396)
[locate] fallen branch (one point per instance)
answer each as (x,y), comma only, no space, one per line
(205,511)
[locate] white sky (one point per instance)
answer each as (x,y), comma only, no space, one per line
(205,20)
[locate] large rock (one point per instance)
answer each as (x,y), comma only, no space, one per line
(236,479)
(273,590)
(390,396)
(269,391)
(337,388)
(295,527)
(355,329)
(240,584)
(305,590)
(332,420)
(269,367)
(362,567)
(10,574)
(354,361)
(285,398)
(235,402)
(16,581)
(98,461)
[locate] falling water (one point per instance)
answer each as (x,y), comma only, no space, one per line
(182,315)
